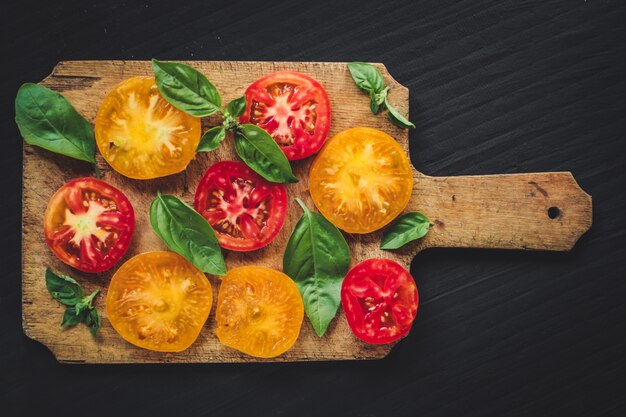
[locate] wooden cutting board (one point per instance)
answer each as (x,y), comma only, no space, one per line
(542,211)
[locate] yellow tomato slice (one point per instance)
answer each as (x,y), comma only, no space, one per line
(159,301)
(361,180)
(141,135)
(259,311)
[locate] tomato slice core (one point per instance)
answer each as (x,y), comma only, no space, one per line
(380,300)
(293,108)
(89,224)
(246,211)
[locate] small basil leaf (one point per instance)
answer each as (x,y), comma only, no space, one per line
(93,321)
(86,303)
(46,119)
(79,308)
(71,318)
(187,233)
(317,258)
(236,107)
(366,77)
(406,228)
(211,139)
(64,289)
(378,99)
(374,105)
(382,96)
(259,151)
(398,119)
(186,88)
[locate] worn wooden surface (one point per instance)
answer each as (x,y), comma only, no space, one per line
(497,211)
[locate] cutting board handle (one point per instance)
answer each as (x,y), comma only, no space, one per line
(540,211)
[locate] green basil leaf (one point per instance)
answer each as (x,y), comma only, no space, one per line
(381,97)
(374,105)
(64,289)
(46,119)
(211,139)
(259,151)
(317,258)
(187,233)
(236,107)
(79,307)
(93,321)
(406,228)
(186,88)
(398,119)
(366,77)
(86,303)
(70,318)
(378,99)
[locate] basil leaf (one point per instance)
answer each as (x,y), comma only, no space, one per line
(366,77)
(46,119)
(64,289)
(186,88)
(92,320)
(406,228)
(79,308)
(236,107)
(259,151)
(376,99)
(374,105)
(72,318)
(86,302)
(187,233)
(317,258)
(396,118)
(211,139)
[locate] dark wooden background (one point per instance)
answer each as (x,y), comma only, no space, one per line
(496,87)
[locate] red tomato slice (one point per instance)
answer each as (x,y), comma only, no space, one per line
(293,108)
(380,300)
(246,211)
(88,224)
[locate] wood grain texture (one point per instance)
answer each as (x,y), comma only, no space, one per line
(498,211)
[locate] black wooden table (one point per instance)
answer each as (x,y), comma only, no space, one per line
(496,87)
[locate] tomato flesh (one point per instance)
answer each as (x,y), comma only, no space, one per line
(141,135)
(159,301)
(246,211)
(361,180)
(89,224)
(380,300)
(293,108)
(259,311)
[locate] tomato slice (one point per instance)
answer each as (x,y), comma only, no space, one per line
(141,135)
(380,300)
(361,180)
(293,108)
(246,211)
(159,301)
(89,224)
(259,311)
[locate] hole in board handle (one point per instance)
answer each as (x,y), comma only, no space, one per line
(554,213)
